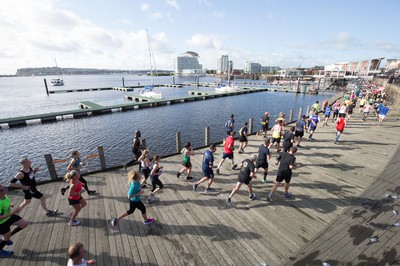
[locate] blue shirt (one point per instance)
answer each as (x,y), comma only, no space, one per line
(134,188)
(208,159)
(384,110)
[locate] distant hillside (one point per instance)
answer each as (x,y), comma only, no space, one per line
(50,71)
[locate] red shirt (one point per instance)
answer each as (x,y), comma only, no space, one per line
(228,146)
(340,124)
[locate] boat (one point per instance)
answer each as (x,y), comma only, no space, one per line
(148,91)
(57,81)
(226,88)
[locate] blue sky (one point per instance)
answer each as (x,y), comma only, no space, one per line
(112,34)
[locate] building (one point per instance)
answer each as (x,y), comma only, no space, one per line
(357,68)
(269,69)
(392,66)
(187,64)
(252,68)
(290,73)
(224,66)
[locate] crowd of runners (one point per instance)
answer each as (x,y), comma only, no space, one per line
(284,139)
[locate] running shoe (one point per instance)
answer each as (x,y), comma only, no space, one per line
(74,223)
(228,202)
(252,196)
(195,186)
(51,213)
(149,220)
(207,190)
(265,180)
(9,242)
(114,221)
(269,196)
(234,167)
(287,194)
(5,253)
(178,175)
(189,178)
(217,171)
(91,192)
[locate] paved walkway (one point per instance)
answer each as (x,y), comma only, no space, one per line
(338,205)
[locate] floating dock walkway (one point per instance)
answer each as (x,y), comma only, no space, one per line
(138,102)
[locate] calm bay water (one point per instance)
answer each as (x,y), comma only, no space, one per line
(25,96)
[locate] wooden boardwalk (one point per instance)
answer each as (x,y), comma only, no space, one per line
(338,205)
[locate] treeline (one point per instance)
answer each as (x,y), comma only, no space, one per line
(49,71)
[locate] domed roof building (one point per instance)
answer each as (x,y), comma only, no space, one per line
(187,64)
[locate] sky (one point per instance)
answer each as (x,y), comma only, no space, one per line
(109,34)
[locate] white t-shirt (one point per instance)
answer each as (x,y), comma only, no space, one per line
(83,263)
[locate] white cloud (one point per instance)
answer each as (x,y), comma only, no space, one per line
(144,6)
(173,3)
(157,15)
(218,14)
(270,15)
(205,41)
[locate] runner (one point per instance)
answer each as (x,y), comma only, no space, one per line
(134,193)
(76,252)
(366,110)
(327,114)
(75,195)
(301,127)
(341,122)
(288,139)
(187,165)
(75,164)
(287,162)
(136,149)
(206,167)
(145,165)
(246,174)
(228,152)
(8,217)
(264,124)
(155,172)
(276,135)
(313,125)
(229,126)
(26,176)
(262,160)
(243,138)
(384,111)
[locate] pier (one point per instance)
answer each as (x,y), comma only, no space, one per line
(89,109)
(343,195)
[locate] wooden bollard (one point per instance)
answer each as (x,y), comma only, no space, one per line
(250,125)
(123,82)
(308,110)
(45,85)
(207,136)
(50,166)
(300,112)
(102,158)
(178,141)
(291,115)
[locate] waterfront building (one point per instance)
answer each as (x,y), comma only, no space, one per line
(269,69)
(357,68)
(224,66)
(392,66)
(290,73)
(252,68)
(187,64)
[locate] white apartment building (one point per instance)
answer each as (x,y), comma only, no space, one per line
(187,64)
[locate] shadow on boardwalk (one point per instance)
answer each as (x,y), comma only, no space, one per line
(339,203)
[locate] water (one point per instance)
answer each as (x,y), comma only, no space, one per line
(25,96)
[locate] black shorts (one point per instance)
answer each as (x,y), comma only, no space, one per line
(245,180)
(133,205)
(260,164)
(32,193)
(242,139)
(273,140)
(299,133)
(146,172)
(350,112)
(208,172)
(227,155)
(155,181)
(74,201)
(187,164)
(137,153)
(5,227)
(283,175)
(265,126)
